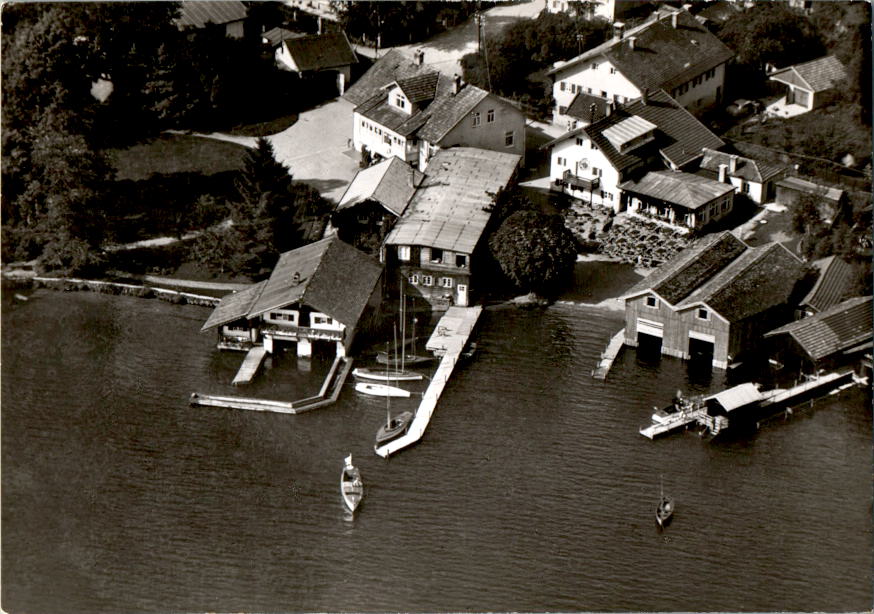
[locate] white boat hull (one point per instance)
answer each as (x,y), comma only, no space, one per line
(381,390)
(391,376)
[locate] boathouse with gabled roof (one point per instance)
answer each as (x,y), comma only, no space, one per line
(436,244)
(834,337)
(323,292)
(715,300)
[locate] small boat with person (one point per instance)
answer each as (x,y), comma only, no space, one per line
(665,508)
(351,486)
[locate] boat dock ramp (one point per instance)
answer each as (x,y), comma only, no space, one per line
(745,396)
(609,355)
(448,341)
(250,365)
(330,390)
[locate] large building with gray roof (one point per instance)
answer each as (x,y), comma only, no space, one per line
(715,300)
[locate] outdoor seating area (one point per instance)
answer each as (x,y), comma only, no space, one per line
(642,243)
(588,222)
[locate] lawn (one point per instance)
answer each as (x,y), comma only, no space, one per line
(265,128)
(170,154)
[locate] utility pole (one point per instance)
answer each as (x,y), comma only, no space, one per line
(478,18)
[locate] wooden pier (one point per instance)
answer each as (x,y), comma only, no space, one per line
(250,365)
(328,394)
(609,355)
(448,341)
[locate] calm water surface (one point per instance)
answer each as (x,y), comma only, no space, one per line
(532,489)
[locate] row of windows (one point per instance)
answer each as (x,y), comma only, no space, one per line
(578,89)
(386,137)
(679,91)
(581,141)
(490,117)
(702,314)
(438,256)
(428,280)
(595,171)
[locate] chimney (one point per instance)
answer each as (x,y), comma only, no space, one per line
(420,57)
(631,42)
(618,30)
(732,164)
(674,18)
(456,84)
(645,97)
(722,173)
(593,110)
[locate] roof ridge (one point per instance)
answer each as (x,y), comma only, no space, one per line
(331,241)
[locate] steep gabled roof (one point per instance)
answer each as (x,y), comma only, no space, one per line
(758,279)
(420,88)
(677,278)
(392,66)
(234,306)
(391,183)
(448,210)
(684,189)
(817,75)
(328,275)
(581,107)
(834,279)
(202,12)
(449,109)
(662,56)
(275,36)
(320,51)
(838,328)
(747,168)
(680,137)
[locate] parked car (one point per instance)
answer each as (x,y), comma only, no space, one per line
(743,107)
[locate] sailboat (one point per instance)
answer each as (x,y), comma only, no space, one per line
(665,508)
(412,359)
(351,486)
(393,427)
(381,390)
(396,374)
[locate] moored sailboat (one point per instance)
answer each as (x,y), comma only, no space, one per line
(665,508)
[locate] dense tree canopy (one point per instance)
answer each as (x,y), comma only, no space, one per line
(513,62)
(401,22)
(535,251)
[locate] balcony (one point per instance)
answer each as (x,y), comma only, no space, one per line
(293,333)
(580,183)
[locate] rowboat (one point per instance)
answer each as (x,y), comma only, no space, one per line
(351,486)
(393,427)
(381,390)
(387,376)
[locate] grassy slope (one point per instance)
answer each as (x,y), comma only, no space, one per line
(176,154)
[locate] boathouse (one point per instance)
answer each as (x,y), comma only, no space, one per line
(438,241)
(324,292)
(831,338)
(713,301)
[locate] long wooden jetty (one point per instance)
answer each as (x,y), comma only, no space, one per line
(328,394)
(448,341)
(609,355)
(251,364)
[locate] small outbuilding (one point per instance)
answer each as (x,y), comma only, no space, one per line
(315,54)
(809,85)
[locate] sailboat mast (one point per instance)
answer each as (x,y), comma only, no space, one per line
(403,325)
(387,397)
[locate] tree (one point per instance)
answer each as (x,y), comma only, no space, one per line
(535,251)
(261,173)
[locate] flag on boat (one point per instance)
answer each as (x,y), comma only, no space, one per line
(349,461)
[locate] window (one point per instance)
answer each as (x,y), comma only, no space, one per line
(746,187)
(652,301)
(436,254)
(606,195)
(603,94)
(561,85)
(595,147)
(445,282)
(282,317)
(509,138)
(561,161)
(414,279)
(404,252)
(363,124)
(703,314)
(400,102)
(588,90)
(596,172)
(490,115)
(612,71)
(594,66)
(476,119)
(725,205)
(562,110)
(386,139)
(461,260)
(580,140)
(427,280)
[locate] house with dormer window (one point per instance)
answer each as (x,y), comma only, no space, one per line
(671,51)
(639,157)
(406,110)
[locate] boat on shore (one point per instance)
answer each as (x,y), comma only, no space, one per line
(351,485)
(381,390)
(386,375)
(665,508)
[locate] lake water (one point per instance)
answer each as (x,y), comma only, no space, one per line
(532,489)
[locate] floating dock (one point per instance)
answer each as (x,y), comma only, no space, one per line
(609,355)
(250,365)
(448,341)
(328,394)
